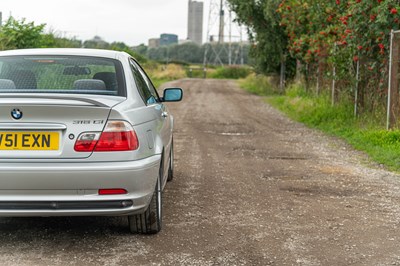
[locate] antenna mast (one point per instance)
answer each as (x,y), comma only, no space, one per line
(221,23)
(219,52)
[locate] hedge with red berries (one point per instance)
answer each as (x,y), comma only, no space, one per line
(362,26)
(336,34)
(342,32)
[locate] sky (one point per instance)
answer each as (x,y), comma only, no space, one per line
(129,21)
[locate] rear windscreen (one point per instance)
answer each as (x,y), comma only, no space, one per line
(61,74)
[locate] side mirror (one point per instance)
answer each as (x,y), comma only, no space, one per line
(172,95)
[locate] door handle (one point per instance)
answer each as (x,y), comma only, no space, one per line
(164,114)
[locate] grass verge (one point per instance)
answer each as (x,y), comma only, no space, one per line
(258,84)
(365,133)
(230,72)
(160,74)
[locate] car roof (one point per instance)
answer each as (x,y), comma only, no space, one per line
(66,51)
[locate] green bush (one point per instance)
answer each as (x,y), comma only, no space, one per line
(258,84)
(230,73)
(175,62)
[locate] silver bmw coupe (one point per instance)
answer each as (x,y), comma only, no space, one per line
(83,132)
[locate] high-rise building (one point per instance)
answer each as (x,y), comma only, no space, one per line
(168,39)
(195,22)
(154,43)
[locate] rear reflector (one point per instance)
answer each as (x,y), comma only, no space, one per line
(112,191)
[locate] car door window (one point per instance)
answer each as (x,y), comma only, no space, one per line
(142,86)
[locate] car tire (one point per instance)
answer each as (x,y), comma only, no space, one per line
(150,221)
(171,163)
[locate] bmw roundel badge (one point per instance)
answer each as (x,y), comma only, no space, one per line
(16,113)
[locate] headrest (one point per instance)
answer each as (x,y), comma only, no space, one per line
(23,79)
(109,78)
(7,84)
(89,84)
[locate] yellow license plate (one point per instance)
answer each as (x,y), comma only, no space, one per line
(29,140)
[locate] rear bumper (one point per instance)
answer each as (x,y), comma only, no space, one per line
(71,189)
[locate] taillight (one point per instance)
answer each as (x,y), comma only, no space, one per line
(117,136)
(86,141)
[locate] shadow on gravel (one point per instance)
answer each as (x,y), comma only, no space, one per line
(322,191)
(69,241)
(74,226)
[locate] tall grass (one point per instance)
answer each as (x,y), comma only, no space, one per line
(163,73)
(365,133)
(258,84)
(230,72)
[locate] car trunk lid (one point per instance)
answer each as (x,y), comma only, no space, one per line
(46,126)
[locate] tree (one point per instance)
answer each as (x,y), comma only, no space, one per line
(192,53)
(141,49)
(96,43)
(16,34)
(187,52)
(120,46)
(343,33)
(268,38)
(66,43)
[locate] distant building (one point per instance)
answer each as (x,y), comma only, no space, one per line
(195,22)
(154,43)
(168,39)
(184,41)
(96,42)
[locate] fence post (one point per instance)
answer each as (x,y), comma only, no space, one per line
(282,76)
(333,78)
(393,93)
(356,90)
(333,86)
(318,76)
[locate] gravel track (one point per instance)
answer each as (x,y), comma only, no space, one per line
(251,187)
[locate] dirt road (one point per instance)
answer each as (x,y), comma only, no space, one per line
(251,188)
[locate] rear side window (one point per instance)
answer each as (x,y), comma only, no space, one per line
(61,74)
(143,85)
